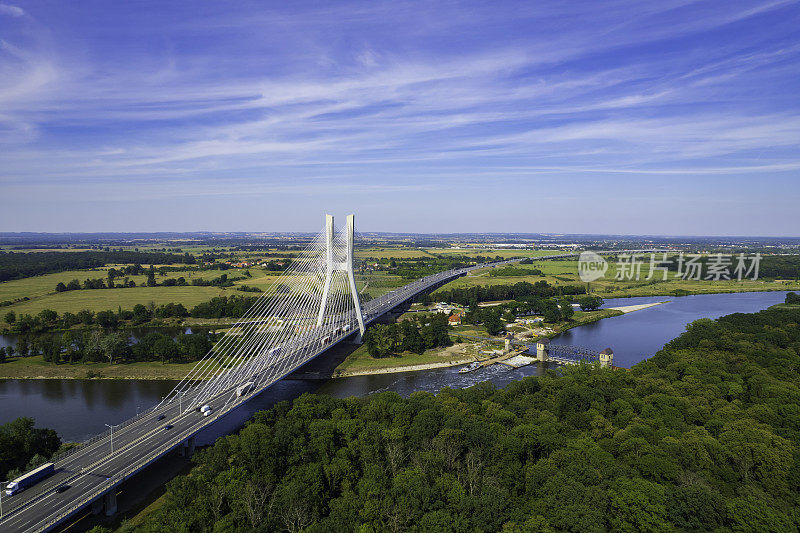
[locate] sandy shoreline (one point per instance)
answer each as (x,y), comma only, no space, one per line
(407,368)
(632,308)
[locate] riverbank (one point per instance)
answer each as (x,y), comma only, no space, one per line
(360,363)
(36,368)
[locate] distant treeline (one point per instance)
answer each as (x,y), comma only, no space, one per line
(515,271)
(48,320)
(418,267)
(15,265)
(110,346)
(517,291)
(770,266)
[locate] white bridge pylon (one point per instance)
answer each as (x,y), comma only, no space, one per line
(313,303)
(333,264)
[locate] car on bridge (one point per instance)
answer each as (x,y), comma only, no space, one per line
(169,426)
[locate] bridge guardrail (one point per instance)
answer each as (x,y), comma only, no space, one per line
(100,436)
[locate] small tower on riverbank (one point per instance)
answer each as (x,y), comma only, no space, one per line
(607,358)
(542,346)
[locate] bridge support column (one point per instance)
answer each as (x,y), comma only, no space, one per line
(190,444)
(110,502)
(97,505)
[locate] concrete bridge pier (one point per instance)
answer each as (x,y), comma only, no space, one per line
(110,502)
(97,505)
(187,448)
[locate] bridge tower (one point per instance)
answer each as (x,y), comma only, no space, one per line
(346,266)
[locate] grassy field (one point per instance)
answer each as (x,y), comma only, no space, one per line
(360,361)
(104,299)
(46,284)
(407,253)
(490,252)
(566,273)
(41,285)
(785,306)
(36,368)
(388,253)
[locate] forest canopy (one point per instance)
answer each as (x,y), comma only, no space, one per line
(703,436)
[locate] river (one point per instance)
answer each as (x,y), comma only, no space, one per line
(77,409)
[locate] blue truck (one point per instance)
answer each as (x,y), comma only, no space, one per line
(31,478)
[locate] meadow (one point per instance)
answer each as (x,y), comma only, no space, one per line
(36,368)
(565,272)
(105,299)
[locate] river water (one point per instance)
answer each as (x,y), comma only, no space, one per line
(77,409)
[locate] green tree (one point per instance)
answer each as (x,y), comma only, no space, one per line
(165,349)
(567,311)
(112,345)
(47,315)
(85,316)
(551,312)
(10,317)
(60,287)
(20,442)
(492,322)
(590,303)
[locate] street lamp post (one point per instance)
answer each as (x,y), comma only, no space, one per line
(111,427)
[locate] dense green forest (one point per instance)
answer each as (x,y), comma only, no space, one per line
(703,436)
(48,320)
(109,346)
(518,291)
(415,334)
(514,271)
(23,447)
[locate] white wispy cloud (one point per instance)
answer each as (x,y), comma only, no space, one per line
(14,11)
(274,97)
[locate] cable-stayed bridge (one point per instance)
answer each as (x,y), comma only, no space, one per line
(312,306)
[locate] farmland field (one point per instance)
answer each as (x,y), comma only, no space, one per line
(566,273)
(105,299)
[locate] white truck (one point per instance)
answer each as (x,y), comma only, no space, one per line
(31,478)
(241,390)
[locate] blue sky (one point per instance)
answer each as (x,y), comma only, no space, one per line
(669,117)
